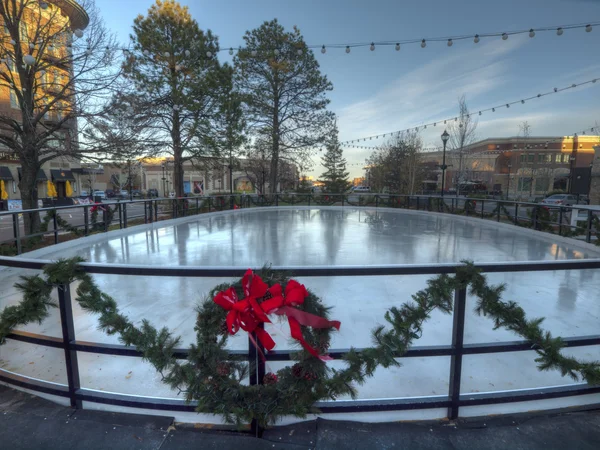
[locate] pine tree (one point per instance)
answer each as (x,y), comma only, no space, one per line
(335,178)
(175,85)
(285,94)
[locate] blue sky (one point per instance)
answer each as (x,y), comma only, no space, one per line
(383,91)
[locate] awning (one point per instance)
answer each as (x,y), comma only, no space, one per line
(61,175)
(5,173)
(41,176)
(87,170)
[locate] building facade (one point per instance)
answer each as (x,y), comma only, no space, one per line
(520,167)
(53,15)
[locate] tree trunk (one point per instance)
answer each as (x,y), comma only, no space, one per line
(273,175)
(29,195)
(177,156)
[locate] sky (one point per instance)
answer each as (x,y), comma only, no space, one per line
(384,90)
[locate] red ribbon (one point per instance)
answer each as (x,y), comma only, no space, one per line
(248,313)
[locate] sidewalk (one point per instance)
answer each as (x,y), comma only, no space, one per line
(29,422)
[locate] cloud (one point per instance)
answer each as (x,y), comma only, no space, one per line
(428,90)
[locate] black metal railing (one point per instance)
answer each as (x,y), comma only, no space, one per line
(549,218)
(453,401)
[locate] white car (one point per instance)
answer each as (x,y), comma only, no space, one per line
(361,189)
(100,194)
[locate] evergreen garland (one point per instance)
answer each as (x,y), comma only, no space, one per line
(60,222)
(214,379)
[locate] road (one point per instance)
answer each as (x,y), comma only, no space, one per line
(74,216)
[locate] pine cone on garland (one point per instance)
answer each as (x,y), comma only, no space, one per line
(297,370)
(270,378)
(224,328)
(223,369)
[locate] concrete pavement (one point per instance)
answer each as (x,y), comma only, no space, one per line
(29,422)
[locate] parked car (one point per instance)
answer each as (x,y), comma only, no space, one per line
(123,193)
(560,200)
(110,193)
(100,194)
(152,193)
(83,193)
(136,193)
(361,189)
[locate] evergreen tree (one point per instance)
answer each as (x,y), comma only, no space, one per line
(174,84)
(335,178)
(284,93)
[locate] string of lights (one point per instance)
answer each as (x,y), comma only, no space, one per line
(478,113)
(524,146)
(449,40)
(396,44)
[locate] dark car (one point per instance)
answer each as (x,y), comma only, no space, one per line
(110,193)
(136,193)
(152,192)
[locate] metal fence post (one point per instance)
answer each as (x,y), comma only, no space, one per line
(516,214)
(86,220)
(418,203)
(156,210)
(560,219)
(17,232)
(55,224)
(257,372)
(588,233)
(482,209)
(309,196)
(68,336)
(124,215)
(276,200)
(174,208)
(120,216)
(458,334)
(105,218)
(498,207)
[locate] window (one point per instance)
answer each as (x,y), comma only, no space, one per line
(531,157)
(548,157)
(523,157)
(14,101)
(565,158)
(524,183)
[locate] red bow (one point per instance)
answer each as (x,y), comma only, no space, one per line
(247,313)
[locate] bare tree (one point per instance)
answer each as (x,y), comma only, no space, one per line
(57,79)
(396,166)
(462,134)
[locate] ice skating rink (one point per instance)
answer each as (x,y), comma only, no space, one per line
(304,236)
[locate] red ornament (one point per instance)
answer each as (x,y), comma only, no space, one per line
(270,378)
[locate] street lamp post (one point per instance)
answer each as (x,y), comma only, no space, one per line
(445,137)
(163,180)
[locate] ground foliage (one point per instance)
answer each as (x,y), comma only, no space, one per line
(215,380)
